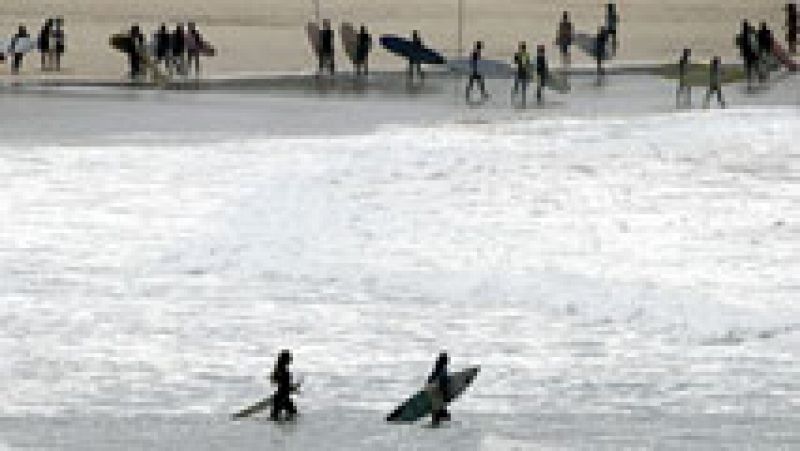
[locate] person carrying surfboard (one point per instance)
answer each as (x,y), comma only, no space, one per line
(16,40)
(414,63)
(612,22)
(715,83)
(600,49)
(438,387)
(475,74)
(683,96)
(282,378)
(326,56)
(522,75)
(564,38)
(745,40)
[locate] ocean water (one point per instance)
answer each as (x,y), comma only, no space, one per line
(629,281)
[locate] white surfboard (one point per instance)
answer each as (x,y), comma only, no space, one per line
(23,45)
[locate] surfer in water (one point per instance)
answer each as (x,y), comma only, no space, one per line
(362,51)
(715,83)
(282,378)
(522,76)
(683,97)
(438,385)
(475,74)
(564,39)
(414,64)
(326,59)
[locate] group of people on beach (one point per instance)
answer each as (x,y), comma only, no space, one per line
(177,51)
(282,407)
(51,44)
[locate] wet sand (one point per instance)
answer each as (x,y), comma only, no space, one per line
(269,36)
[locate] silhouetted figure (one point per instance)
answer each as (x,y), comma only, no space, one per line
(194,43)
(362,51)
(282,378)
(43,44)
(564,39)
(764,39)
(522,74)
(163,50)
(715,83)
(178,44)
(414,63)
(59,42)
(612,24)
(683,97)
(748,49)
(600,49)
(475,74)
(439,386)
(22,33)
(326,55)
(542,73)
(136,52)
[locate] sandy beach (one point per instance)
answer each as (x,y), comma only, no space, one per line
(268,35)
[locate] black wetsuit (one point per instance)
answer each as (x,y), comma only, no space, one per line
(542,73)
(475,76)
(326,50)
(749,54)
(440,377)
(162,44)
(715,85)
(282,398)
(684,90)
(600,48)
(362,52)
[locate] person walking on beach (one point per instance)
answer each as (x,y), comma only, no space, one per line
(600,49)
(542,73)
(714,83)
(684,95)
(22,33)
(747,44)
(43,44)
(178,44)
(475,74)
(764,39)
(326,55)
(162,46)
(612,23)
(194,43)
(414,64)
(59,42)
(438,387)
(791,27)
(363,40)
(136,52)
(282,378)
(522,75)
(564,39)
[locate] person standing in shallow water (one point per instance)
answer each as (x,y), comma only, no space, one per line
(282,398)
(715,83)
(475,74)
(542,73)
(564,39)
(683,97)
(522,76)
(438,387)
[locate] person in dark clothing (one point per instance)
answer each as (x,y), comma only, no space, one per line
(194,42)
(522,75)
(162,45)
(542,73)
(178,44)
(746,42)
(22,33)
(135,53)
(791,26)
(43,44)
(282,378)
(59,42)
(439,386)
(600,49)
(764,39)
(475,74)
(326,55)
(414,65)
(683,97)
(362,51)
(715,83)
(612,22)
(564,39)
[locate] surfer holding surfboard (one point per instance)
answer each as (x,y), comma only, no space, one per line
(282,378)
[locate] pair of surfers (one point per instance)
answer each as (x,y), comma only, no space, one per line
(523,66)
(325,53)
(283,407)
